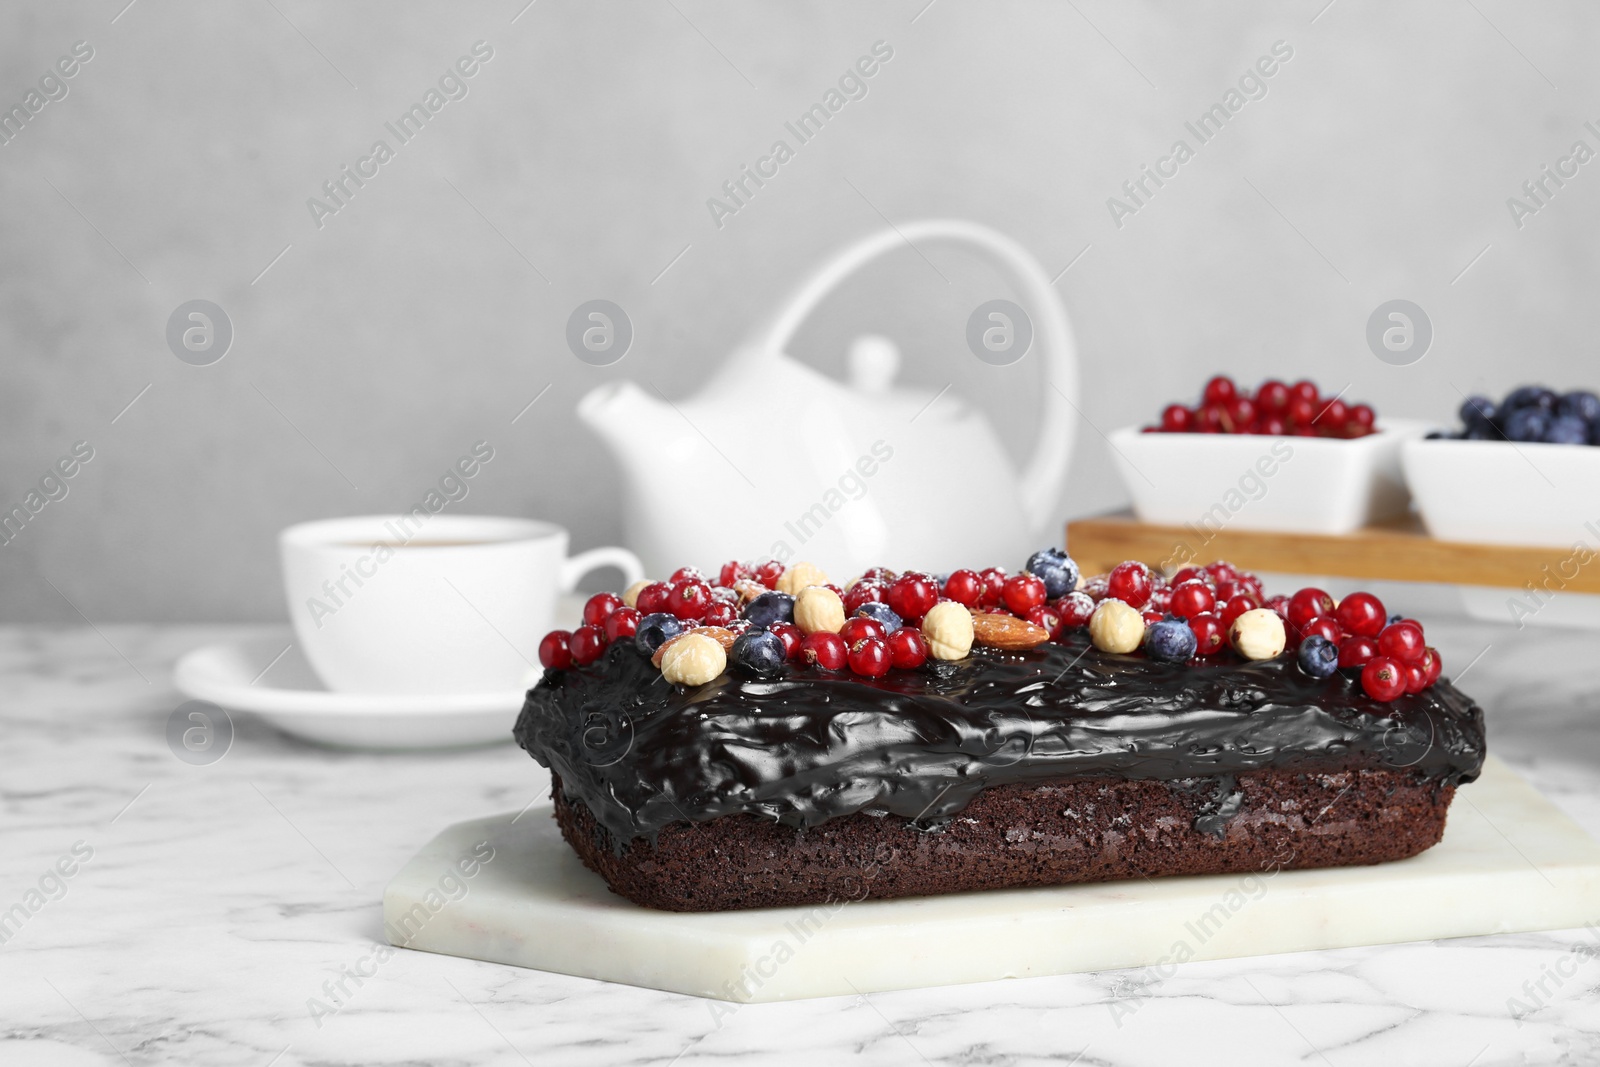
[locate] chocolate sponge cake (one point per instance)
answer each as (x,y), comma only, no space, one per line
(787,778)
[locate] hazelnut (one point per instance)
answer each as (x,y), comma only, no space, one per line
(630,595)
(818,609)
(799,576)
(1115,627)
(693,659)
(747,589)
(1257,634)
(947,627)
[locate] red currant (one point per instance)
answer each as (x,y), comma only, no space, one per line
(1272,396)
(1208,419)
(1332,418)
(1130,583)
(1357,651)
(964,587)
(791,636)
(1416,678)
(652,598)
(1402,641)
(994,581)
(1249,583)
(1431,664)
(731,572)
(867,590)
(911,595)
(1235,606)
(824,650)
(1280,604)
(859,627)
(1226,589)
(1075,608)
(1021,593)
(1191,598)
(1323,626)
(1210,635)
(1299,414)
(1221,571)
(598,607)
(1362,416)
(1239,413)
(719,613)
(689,600)
(1274,425)
(1190,574)
(907,649)
(1161,600)
(1361,614)
(1175,418)
(1383,678)
(869,657)
(624,622)
(587,643)
(1304,390)
(879,574)
(1306,605)
(555,651)
(686,574)
(1151,617)
(1096,588)
(767,572)
(1046,617)
(1219,390)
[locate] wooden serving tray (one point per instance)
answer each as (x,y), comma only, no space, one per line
(1398,551)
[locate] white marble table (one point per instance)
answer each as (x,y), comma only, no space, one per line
(220,901)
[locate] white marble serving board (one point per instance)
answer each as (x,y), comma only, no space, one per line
(1509,861)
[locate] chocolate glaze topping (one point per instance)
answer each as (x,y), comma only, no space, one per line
(811,745)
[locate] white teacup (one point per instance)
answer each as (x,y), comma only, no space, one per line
(456,605)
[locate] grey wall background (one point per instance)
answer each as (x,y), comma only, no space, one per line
(416,320)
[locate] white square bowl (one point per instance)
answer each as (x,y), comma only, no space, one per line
(1255,482)
(1504,493)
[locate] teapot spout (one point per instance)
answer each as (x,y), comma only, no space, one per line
(620,413)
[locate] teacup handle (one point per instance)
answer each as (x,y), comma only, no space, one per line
(584,562)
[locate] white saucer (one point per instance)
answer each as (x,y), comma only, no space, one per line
(241,676)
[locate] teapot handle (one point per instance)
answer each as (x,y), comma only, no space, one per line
(1043,478)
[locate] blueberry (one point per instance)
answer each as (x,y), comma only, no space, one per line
(1318,656)
(1567,430)
(1394,619)
(880,612)
(1055,569)
(1582,403)
(1478,411)
(1528,424)
(1529,396)
(1170,641)
(769,608)
(656,630)
(1482,433)
(758,652)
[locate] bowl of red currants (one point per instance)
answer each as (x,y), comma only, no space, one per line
(1521,471)
(1279,457)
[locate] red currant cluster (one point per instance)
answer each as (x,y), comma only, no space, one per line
(1393,656)
(607,617)
(1299,410)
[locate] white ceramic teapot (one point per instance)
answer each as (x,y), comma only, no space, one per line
(854,475)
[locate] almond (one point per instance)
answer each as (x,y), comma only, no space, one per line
(1007,632)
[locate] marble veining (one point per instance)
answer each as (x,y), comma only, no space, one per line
(230,914)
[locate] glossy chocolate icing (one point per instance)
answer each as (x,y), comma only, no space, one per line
(811,745)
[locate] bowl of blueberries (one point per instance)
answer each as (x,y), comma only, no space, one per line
(1521,471)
